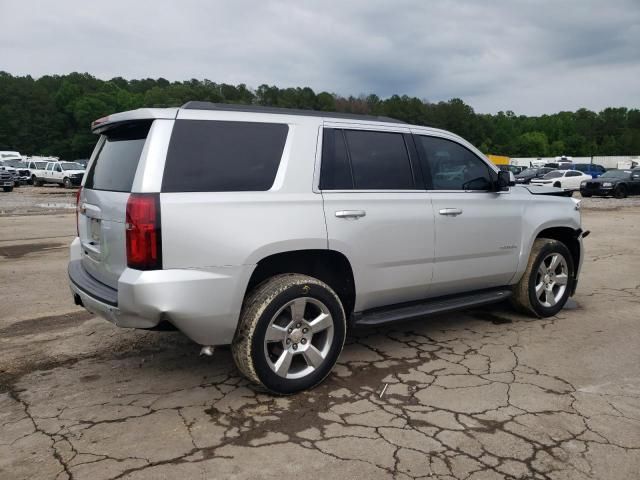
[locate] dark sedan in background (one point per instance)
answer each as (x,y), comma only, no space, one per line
(616,183)
(525,176)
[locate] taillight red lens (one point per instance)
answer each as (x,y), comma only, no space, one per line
(77,209)
(144,240)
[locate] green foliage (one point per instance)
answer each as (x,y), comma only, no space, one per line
(52,115)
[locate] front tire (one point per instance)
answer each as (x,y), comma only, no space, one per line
(292,329)
(620,192)
(548,280)
(7,189)
(66,182)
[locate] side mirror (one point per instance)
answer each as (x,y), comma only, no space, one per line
(505,180)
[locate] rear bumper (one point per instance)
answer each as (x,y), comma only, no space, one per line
(203,304)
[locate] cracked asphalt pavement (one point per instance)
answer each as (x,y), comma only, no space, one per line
(479,394)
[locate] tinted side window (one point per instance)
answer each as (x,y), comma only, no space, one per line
(452,166)
(223,156)
(379,160)
(573,174)
(335,172)
(117,161)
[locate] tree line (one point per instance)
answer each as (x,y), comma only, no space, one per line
(51,115)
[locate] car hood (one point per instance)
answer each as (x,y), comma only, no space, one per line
(542,180)
(526,177)
(602,180)
(544,190)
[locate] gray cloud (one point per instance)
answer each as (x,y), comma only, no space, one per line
(528,56)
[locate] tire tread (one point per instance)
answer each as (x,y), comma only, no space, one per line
(252,309)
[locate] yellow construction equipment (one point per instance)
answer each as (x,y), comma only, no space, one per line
(499,159)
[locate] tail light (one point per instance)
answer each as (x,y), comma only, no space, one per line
(144,240)
(77,209)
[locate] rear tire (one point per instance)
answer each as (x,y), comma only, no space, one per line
(620,192)
(548,280)
(291,332)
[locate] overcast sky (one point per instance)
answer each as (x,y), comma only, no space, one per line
(531,57)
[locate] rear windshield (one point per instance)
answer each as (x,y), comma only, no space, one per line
(117,160)
(223,156)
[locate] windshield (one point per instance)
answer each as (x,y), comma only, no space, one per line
(616,174)
(555,174)
(71,166)
(15,163)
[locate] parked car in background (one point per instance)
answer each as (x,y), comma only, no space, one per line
(515,169)
(9,155)
(559,165)
(568,179)
(616,183)
(18,169)
(273,229)
(66,174)
(592,169)
(6,180)
(82,161)
(528,174)
(36,169)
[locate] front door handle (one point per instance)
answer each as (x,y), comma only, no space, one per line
(451,212)
(355,214)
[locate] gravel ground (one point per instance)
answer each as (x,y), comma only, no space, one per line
(480,394)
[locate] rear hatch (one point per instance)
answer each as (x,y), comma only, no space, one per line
(103,200)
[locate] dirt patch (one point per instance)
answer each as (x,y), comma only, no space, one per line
(45,324)
(17,251)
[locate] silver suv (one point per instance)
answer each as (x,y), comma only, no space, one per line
(273,230)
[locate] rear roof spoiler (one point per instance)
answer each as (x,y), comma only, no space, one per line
(105,123)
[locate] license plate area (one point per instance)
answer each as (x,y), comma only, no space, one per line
(95,231)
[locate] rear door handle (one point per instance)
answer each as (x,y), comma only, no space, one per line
(451,212)
(355,214)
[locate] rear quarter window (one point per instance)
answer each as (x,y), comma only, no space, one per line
(117,159)
(223,156)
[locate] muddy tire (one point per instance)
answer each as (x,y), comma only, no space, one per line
(548,280)
(292,329)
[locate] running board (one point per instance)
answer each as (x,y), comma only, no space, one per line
(401,312)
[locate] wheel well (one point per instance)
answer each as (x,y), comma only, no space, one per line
(329,266)
(566,235)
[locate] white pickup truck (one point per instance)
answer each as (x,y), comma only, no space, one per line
(67,174)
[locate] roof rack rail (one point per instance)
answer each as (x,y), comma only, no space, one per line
(235,107)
